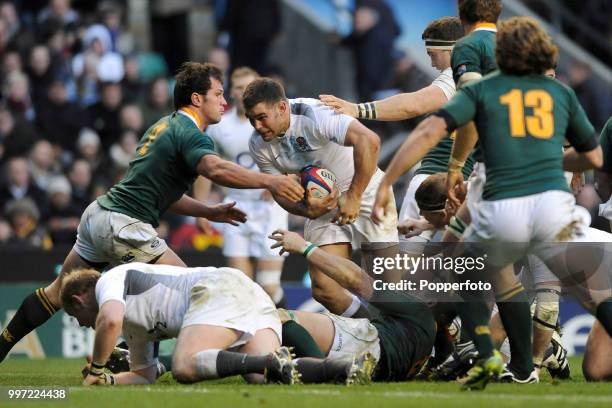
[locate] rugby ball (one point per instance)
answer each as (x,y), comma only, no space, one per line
(317,182)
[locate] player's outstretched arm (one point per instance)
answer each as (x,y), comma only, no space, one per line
(397,107)
(464,143)
(137,377)
(229,174)
(226,213)
(422,139)
(574,161)
(344,271)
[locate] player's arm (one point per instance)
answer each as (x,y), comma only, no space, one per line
(580,161)
(229,174)
(226,213)
(366,146)
(586,152)
(603,176)
(397,107)
(310,207)
(138,377)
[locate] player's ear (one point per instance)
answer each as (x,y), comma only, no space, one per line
(282,106)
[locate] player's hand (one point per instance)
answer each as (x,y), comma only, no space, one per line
(411,227)
(381,204)
(100,379)
(317,207)
(288,241)
(339,105)
(286,187)
(266,196)
(227,213)
(577,183)
(348,209)
(455,189)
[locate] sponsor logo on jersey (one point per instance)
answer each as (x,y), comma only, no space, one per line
(300,144)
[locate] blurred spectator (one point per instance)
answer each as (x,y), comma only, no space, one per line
(596,103)
(250,39)
(5,231)
(64,215)
(41,74)
(372,41)
(60,120)
(18,185)
(158,102)
(20,38)
(221,59)
(122,153)
(16,135)
(104,116)
(11,62)
(132,85)
(89,149)
(80,180)
(42,164)
(58,11)
(17,95)
(23,217)
(131,118)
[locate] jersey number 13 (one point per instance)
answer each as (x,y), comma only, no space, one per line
(540,124)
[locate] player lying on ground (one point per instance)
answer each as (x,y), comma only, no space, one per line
(208,310)
(119,227)
(401,339)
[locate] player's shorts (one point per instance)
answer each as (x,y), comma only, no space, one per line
(605,210)
(105,236)
(407,331)
(551,216)
(353,337)
(537,272)
(475,185)
(321,231)
(251,238)
(230,299)
(410,209)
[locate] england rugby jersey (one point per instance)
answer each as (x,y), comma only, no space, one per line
(231,137)
(315,137)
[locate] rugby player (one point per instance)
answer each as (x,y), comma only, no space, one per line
(291,134)
(524,159)
(119,227)
(249,240)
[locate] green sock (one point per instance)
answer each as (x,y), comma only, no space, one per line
(475,322)
(297,337)
(604,315)
(515,314)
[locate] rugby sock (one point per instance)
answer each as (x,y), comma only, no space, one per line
(515,314)
(232,363)
(314,370)
(35,310)
(475,322)
(604,315)
(295,336)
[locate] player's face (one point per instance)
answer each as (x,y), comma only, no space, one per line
(267,120)
(440,59)
(238,86)
(214,103)
(436,218)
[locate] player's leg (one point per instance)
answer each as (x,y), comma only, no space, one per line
(242,263)
(597,363)
(316,336)
(169,257)
(268,276)
(264,343)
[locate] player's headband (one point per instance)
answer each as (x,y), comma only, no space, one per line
(432,206)
(434,44)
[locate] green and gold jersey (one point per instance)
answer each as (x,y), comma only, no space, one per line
(475,52)
(522,122)
(162,170)
(436,161)
(606,145)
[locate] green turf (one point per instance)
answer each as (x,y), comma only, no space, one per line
(233,392)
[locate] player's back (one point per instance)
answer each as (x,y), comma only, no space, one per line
(522,123)
(474,53)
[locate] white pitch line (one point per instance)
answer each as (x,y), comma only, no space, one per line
(385,394)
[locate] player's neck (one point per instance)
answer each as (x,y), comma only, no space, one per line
(480,24)
(193,114)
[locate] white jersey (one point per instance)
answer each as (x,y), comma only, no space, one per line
(445,82)
(231,137)
(315,137)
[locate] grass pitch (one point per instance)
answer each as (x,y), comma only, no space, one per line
(233,392)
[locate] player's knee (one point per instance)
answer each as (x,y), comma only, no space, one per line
(547,308)
(593,371)
(184,372)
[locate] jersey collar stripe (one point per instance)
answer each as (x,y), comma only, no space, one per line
(191,115)
(485,27)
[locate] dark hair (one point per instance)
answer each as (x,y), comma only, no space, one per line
(445,28)
(264,90)
(431,194)
(194,77)
(523,47)
(473,11)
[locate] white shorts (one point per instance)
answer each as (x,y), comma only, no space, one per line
(321,231)
(605,210)
(230,299)
(475,185)
(251,238)
(410,209)
(353,337)
(542,217)
(538,272)
(110,237)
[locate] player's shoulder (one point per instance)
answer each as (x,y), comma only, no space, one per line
(256,142)
(310,108)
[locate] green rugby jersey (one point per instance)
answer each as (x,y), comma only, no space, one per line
(475,52)
(162,170)
(436,161)
(606,145)
(522,122)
